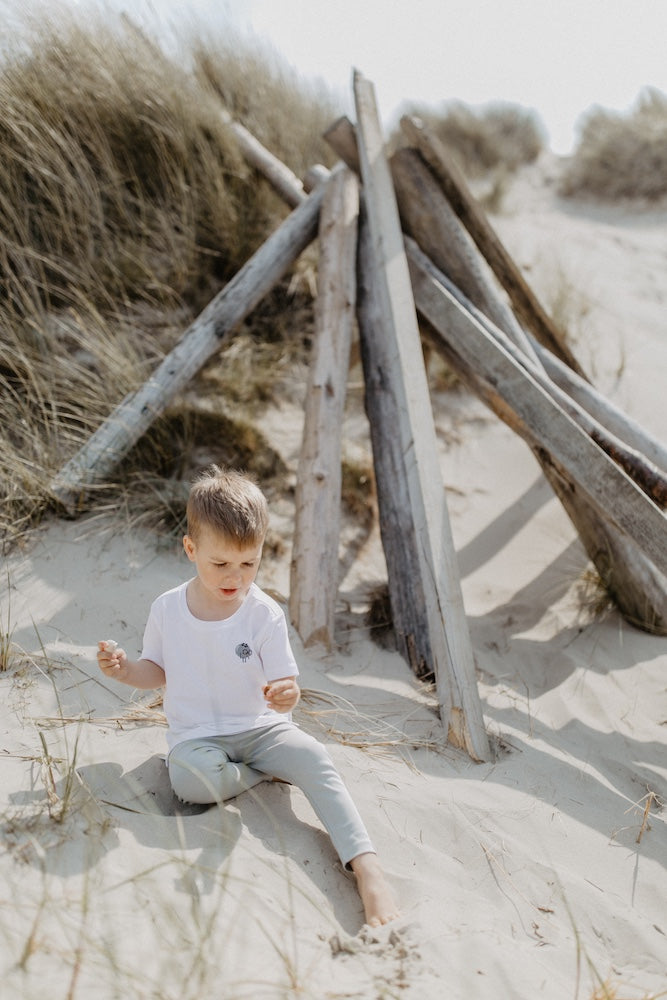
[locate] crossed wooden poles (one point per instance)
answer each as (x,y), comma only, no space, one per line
(407,244)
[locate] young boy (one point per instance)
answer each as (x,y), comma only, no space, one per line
(220,647)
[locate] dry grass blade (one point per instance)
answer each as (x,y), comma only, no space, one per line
(650,799)
(344,722)
(136,714)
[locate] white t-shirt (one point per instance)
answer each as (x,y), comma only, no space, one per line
(215,671)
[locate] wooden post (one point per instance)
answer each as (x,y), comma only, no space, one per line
(397,527)
(453,183)
(413,443)
(315,566)
(95,461)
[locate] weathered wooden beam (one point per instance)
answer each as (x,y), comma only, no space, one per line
(427,216)
(526,304)
(397,527)
(602,409)
(513,393)
(631,581)
(342,137)
(647,475)
(314,567)
(95,461)
(282,179)
(413,441)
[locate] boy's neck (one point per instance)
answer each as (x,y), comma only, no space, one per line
(206,610)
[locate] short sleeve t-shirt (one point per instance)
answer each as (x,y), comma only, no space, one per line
(215,670)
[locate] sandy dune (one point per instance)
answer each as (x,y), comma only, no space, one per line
(541,873)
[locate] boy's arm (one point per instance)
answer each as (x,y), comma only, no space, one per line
(282,695)
(142,674)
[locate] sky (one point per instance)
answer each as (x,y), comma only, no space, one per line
(557,57)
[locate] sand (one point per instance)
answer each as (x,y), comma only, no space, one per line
(540,873)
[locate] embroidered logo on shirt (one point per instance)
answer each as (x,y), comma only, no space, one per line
(243,651)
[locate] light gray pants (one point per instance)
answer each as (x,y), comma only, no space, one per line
(216,768)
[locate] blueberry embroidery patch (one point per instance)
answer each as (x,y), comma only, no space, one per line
(243,651)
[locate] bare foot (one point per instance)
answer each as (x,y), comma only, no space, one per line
(378,900)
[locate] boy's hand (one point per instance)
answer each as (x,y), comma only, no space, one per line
(282,695)
(109,657)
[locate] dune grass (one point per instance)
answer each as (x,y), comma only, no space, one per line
(621,155)
(493,136)
(124,207)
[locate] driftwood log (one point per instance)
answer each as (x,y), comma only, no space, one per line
(96,460)
(314,568)
(405,431)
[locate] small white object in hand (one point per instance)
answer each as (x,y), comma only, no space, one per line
(110,645)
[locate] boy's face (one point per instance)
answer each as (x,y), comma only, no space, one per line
(225,570)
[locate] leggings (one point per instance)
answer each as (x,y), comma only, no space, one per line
(216,768)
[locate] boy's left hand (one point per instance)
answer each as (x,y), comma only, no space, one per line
(282,695)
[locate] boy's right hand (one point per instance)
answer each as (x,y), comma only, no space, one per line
(109,657)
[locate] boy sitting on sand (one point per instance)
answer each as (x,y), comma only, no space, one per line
(220,647)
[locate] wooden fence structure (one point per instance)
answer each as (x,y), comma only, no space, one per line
(407,252)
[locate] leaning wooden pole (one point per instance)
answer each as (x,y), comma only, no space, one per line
(414,445)
(314,567)
(526,304)
(602,409)
(623,533)
(646,474)
(519,394)
(96,460)
(281,178)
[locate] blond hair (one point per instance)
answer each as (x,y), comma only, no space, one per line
(229,502)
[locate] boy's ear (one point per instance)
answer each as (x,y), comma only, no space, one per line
(189,547)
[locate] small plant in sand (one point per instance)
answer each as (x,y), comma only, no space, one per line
(621,154)
(7,647)
(565,302)
(358,490)
(608,990)
(59,775)
(593,597)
